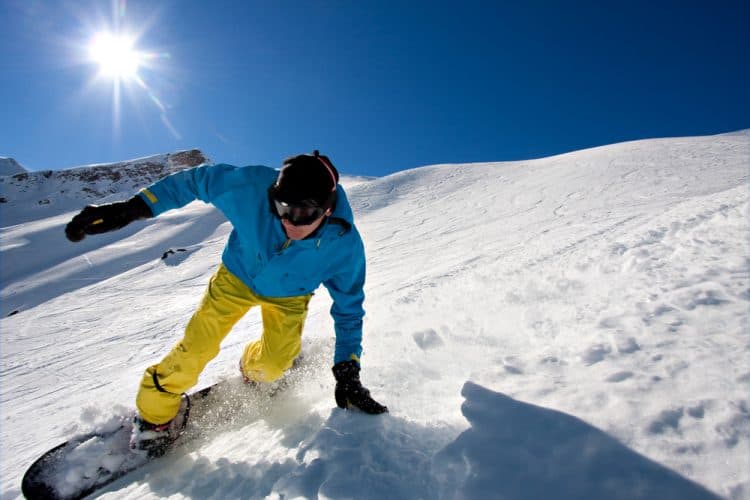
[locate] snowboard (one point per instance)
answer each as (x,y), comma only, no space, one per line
(89,462)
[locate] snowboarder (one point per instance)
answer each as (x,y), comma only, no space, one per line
(292,231)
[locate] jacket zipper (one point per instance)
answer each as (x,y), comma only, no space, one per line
(284,246)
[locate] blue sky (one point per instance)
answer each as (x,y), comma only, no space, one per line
(379,86)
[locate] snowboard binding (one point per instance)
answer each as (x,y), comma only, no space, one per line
(154,440)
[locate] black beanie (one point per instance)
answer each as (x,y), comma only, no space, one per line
(307,178)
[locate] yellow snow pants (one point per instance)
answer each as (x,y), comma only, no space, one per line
(225,302)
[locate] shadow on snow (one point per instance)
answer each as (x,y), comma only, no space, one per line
(511,450)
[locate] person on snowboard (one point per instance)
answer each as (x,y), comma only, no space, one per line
(292,230)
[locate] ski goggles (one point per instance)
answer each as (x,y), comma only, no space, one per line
(298,214)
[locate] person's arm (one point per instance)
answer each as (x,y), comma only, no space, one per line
(205,183)
(174,191)
(346,289)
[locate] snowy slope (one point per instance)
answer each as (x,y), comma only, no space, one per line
(569,327)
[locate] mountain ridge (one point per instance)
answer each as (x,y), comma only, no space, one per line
(9,166)
(26,195)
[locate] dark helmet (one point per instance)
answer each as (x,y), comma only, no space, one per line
(307,180)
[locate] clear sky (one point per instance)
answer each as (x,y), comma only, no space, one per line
(379,86)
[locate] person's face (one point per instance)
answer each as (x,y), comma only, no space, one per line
(301,232)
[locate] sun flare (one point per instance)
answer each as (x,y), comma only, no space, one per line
(116,55)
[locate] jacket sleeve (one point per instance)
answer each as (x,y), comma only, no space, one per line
(347,291)
(205,183)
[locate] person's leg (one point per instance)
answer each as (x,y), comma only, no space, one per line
(226,300)
(266,359)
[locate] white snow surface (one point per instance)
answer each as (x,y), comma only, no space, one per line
(569,327)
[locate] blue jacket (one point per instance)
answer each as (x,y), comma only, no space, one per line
(259,252)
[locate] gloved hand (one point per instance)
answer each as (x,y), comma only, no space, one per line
(95,219)
(349,389)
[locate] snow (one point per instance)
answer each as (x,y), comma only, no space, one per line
(568,327)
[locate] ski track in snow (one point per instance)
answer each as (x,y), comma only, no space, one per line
(570,327)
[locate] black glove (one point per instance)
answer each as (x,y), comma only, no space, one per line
(349,390)
(103,218)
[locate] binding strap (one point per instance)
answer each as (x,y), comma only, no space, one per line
(186,415)
(157,384)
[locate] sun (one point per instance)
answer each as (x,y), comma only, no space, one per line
(115,55)
(121,60)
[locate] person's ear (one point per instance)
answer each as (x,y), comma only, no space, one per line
(328,212)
